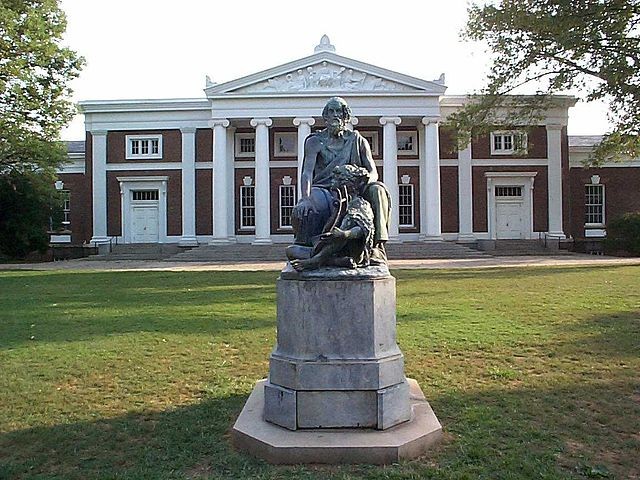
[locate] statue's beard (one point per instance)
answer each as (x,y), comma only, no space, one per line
(336,129)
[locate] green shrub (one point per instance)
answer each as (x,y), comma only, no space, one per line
(623,234)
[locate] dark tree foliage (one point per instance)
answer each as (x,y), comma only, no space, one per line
(35,71)
(29,207)
(557,46)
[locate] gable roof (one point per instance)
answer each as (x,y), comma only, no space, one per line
(326,72)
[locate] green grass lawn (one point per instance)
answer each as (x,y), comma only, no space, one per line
(534,373)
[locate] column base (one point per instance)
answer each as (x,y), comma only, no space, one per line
(99,239)
(394,239)
(429,238)
(558,235)
(466,238)
(219,241)
(262,241)
(188,241)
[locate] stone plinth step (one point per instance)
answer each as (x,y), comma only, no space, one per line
(278,445)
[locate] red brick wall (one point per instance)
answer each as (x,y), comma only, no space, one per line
(204,210)
(621,193)
(204,145)
(414,173)
(79,187)
(171,146)
(174,200)
(536,144)
(449,199)
(540,200)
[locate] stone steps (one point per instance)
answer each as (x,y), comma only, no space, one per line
(524,248)
(256,253)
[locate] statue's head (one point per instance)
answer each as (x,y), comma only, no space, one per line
(336,113)
(350,176)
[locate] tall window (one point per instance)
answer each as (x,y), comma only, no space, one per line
(66,209)
(405,205)
(287,202)
(144,146)
(247,206)
(505,143)
(594,204)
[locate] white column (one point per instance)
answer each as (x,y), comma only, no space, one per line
(304,129)
(465,196)
(431,178)
(99,186)
(188,187)
(352,123)
(220,183)
(390,171)
(263,213)
(554,172)
(231,199)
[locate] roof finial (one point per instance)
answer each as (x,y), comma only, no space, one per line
(325,45)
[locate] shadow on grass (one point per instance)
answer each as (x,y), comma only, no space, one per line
(549,433)
(60,307)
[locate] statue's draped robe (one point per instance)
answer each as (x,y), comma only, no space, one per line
(355,151)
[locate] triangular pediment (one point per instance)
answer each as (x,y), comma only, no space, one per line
(326,72)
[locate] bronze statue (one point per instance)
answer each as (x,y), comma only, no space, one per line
(350,244)
(318,211)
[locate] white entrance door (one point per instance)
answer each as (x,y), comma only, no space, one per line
(510,222)
(144,223)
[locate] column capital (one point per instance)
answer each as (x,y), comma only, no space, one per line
(261,121)
(219,122)
(390,120)
(98,132)
(430,119)
(354,120)
(554,126)
(304,120)
(187,130)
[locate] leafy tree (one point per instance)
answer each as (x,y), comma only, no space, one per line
(29,207)
(592,46)
(35,71)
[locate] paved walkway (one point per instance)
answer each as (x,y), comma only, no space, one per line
(487,262)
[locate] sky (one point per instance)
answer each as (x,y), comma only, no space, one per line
(143,49)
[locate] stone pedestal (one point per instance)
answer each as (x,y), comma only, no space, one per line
(336,363)
(336,367)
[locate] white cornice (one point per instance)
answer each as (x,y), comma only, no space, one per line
(143,105)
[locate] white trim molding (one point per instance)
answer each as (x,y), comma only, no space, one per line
(127,184)
(521,179)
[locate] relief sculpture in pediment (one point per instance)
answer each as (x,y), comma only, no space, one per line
(325,76)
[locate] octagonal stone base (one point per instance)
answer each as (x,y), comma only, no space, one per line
(252,434)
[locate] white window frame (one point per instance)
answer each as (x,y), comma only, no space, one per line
(239,138)
(413,134)
(244,207)
(411,205)
(517,137)
(602,205)
(129,139)
(375,141)
(281,207)
(66,209)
